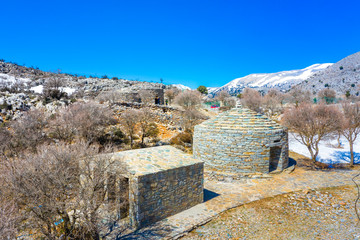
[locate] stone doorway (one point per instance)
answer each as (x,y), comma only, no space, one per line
(124,197)
(275,154)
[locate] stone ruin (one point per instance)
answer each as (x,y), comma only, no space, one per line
(240,143)
(133,93)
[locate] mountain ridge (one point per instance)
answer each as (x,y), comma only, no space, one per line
(282,80)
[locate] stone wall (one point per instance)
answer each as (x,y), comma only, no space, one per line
(240,152)
(159,195)
(135,96)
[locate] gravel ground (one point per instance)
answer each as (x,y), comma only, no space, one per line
(316,214)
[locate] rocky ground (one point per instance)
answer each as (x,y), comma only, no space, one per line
(316,214)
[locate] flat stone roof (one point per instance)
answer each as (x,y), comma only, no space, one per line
(155,159)
(241,119)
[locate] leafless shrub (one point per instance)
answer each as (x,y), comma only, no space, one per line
(17,86)
(29,130)
(5,140)
(188,99)
(146,125)
(312,124)
(192,117)
(251,99)
(61,189)
(272,102)
(171,93)
(84,120)
(230,102)
(53,87)
(9,218)
(221,96)
(351,125)
(297,96)
(327,95)
(109,96)
(129,119)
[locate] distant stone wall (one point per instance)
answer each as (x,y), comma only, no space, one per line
(135,96)
(156,196)
(240,152)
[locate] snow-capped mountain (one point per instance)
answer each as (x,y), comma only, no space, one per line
(343,77)
(281,80)
(181,87)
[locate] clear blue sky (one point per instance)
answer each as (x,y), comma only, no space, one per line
(190,42)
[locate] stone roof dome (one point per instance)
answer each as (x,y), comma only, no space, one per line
(241,119)
(240,142)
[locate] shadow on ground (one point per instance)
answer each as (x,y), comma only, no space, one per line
(345,157)
(153,232)
(292,162)
(208,195)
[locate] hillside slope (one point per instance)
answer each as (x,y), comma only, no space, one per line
(342,76)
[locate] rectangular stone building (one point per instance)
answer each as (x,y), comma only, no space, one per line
(161,181)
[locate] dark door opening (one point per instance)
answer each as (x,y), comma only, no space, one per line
(275,153)
(124,197)
(157,100)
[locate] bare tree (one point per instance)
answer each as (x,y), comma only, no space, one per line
(188,99)
(53,86)
(272,102)
(61,189)
(222,96)
(351,125)
(251,99)
(311,124)
(145,118)
(328,95)
(171,93)
(192,117)
(231,102)
(298,96)
(129,119)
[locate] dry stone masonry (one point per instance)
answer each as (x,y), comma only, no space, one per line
(162,181)
(241,142)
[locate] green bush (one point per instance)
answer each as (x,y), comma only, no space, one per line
(202,89)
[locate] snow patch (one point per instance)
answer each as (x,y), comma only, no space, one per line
(39,89)
(11,79)
(328,153)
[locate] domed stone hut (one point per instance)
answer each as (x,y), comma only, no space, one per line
(241,142)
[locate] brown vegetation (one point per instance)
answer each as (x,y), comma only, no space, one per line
(351,125)
(251,99)
(188,99)
(312,123)
(60,189)
(171,93)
